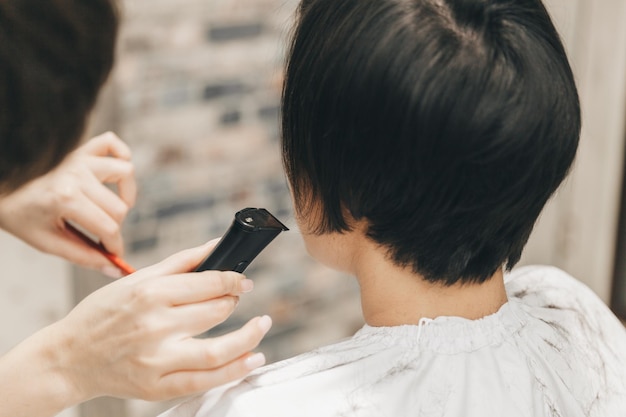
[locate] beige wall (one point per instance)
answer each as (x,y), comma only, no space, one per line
(577,230)
(34,292)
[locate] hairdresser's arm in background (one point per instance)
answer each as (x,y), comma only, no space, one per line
(133,338)
(75,191)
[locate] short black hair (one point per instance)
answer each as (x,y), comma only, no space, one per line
(54,57)
(445,124)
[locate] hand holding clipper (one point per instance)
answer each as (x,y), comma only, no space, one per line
(251,231)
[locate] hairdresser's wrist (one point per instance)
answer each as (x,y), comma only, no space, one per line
(35,377)
(62,358)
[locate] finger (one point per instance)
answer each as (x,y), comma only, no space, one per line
(106,199)
(205,354)
(96,221)
(181,262)
(197,318)
(196,287)
(207,285)
(116,171)
(180,384)
(75,250)
(107,144)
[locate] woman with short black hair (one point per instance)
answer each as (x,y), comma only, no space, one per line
(421,139)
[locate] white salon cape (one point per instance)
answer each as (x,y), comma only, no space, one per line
(553,350)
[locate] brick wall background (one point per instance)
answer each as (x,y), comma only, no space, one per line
(196,94)
(197,90)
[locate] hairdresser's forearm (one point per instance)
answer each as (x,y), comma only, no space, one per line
(33,378)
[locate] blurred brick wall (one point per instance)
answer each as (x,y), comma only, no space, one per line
(197,90)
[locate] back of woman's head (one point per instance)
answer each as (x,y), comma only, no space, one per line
(54,57)
(445,124)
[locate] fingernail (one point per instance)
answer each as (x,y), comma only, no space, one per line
(254,361)
(265,323)
(246,285)
(111,272)
(212,242)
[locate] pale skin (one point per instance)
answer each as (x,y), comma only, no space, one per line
(134,337)
(76,191)
(392,295)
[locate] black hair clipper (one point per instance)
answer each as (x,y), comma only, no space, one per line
(251,231)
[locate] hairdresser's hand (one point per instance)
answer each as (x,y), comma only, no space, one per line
(75,191)
(133,338)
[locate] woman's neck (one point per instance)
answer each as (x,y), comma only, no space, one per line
(392,296)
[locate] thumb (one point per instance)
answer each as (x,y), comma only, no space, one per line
(71,248)
(181,262)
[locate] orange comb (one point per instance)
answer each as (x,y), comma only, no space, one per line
(114,259)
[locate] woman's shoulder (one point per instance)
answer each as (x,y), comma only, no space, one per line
(571,336)
(552,296)
(279,389)
(551,287)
